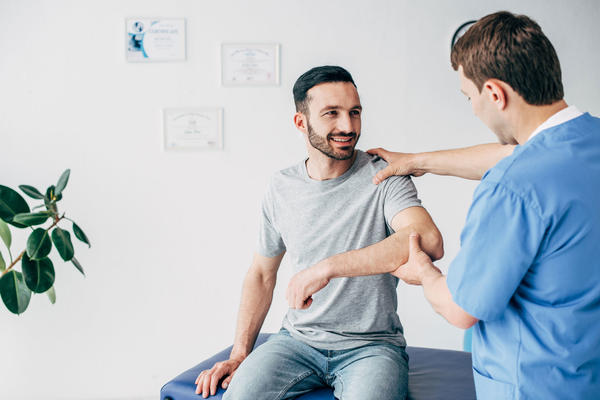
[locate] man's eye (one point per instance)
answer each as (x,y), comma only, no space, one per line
(355,112)
(332,112)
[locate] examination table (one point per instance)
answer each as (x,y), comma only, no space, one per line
(433,374)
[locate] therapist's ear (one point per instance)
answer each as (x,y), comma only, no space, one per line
(496,92)
(300,122)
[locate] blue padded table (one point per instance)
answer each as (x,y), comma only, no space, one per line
(433,374)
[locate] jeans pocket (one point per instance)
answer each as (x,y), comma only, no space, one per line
(488,388)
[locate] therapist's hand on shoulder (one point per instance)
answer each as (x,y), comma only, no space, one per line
(398,164)
(306,283)
(419,266)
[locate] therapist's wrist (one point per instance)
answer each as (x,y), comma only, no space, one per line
(431,275)
(418,163)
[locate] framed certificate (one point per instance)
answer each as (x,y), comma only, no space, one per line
(193,128)
(249,64)
(154,39)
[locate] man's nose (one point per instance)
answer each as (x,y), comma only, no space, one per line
(344,124)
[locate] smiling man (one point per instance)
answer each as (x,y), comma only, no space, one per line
(342,235)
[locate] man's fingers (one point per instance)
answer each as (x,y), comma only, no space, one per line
(383,174)
(206,384)
(200,382)
(308,302)
(214,380)
(226,381)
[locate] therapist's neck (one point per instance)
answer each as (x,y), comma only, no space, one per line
(527,118)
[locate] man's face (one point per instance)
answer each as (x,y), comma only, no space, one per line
(484,108)
(333,122)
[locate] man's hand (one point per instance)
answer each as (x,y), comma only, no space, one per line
(306,283)
(207,380)
(419,266)
(398,164)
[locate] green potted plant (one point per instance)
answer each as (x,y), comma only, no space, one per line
(37,270)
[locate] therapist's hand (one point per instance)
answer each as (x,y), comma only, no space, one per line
(306,283)
(419,266)
(398,164)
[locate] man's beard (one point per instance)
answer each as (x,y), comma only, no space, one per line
(322,144)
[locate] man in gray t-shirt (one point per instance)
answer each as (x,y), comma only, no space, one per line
(342,235)
(312,220)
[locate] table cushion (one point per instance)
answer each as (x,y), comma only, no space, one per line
(433,374)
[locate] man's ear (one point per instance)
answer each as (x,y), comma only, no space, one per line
(301,122)
(496,92)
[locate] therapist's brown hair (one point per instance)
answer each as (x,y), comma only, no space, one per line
(513,49)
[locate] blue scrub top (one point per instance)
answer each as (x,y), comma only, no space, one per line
(528,268)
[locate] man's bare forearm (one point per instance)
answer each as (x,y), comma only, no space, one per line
(469,162)
(257,294)
(384,256)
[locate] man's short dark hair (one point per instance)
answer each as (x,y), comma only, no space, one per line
(314,77)
(513,49)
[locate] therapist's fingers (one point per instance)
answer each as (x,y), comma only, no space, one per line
(384,174)
(414,243)
(383,153)
(416,253)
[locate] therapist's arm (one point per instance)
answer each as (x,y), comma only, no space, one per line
(419,270)
(382,257)
(469,162)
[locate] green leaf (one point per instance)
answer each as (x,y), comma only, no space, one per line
(5,234)
(11,204)
(62,242)
(39,274)
(31,219)
(15,294)
(31,192)
(80,235)
(51,295)
(62,182)
(51,195)
(77,265)
(38,244)
(2,263)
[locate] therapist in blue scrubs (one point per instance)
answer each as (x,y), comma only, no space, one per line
(528,271)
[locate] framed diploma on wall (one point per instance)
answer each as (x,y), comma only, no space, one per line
(154,39)
(193,128)
(250,64)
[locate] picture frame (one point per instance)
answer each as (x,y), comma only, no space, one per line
(155,39)
(250,64)
(193,128)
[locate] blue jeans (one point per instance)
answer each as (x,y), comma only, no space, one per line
(284,368)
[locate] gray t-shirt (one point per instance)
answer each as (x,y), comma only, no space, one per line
(312,220)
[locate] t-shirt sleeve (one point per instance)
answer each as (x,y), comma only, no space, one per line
(400,193)
(270,242)
(499,242)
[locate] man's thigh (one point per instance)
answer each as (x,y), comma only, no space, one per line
(375,372)
(281,368)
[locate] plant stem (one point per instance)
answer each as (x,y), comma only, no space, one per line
(13,263)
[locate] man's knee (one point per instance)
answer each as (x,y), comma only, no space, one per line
(273,371)
(382,376)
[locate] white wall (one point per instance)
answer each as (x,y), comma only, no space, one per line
(173,233)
